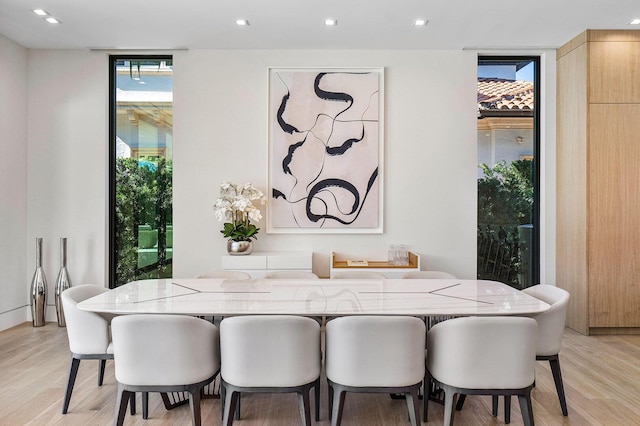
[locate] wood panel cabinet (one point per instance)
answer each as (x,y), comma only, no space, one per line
(598,180)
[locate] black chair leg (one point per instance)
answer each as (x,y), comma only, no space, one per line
(494,405)
(507,409)
(460,402)
(103,364)
(526,409)
(133,403)
(122,399)
(194,405)
(73,372)
(304,405)
(230,401)
(316,394)
(145,405)
(338,406)
(412,406)
(554,363)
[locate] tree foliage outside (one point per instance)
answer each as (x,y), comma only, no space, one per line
(505,201)
(143,196)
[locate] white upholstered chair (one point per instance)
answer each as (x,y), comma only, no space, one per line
(292,275)
(164,353)
(482,356)
(357,275)
(226,275)
(269,354)
(551,324)
(88,334)
(383,354)
(428,275)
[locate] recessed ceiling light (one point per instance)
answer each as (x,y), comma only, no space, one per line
(40,12)
(420,22)
(330,22)
(52,20)
(242,22)
(635,21)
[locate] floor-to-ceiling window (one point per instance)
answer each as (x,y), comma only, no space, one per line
(508,169)
(141,145)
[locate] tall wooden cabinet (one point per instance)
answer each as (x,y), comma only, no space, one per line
(598,180)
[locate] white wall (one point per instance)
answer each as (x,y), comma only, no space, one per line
(220,111)
(220,133)
(13,183)
(67,170)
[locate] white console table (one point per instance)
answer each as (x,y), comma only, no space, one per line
(258,264)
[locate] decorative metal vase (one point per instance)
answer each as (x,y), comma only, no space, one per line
(38,289)
(239,247)
(63,282)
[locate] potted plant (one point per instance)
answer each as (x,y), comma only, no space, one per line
(235,207)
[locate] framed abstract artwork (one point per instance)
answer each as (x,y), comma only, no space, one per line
(325,150)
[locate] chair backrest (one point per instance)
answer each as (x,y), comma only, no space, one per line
(429,275)
(483,352)
(375,351)
(88,332)
(226,275)
(551,323)
(270,350)
(164,350)
(356,275)
(286,275)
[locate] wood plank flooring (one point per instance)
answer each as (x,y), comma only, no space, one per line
(601,376)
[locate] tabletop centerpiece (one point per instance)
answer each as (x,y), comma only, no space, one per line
(235,207)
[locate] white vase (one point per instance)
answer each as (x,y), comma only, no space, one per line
(236,248)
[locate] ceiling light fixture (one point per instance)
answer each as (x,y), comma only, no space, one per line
(51,20)
(330,22)
(40,12)
(242,22)
(635,21)
(420,22)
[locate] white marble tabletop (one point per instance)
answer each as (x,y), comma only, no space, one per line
(421,297)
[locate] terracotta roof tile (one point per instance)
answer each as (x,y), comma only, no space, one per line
(499,93)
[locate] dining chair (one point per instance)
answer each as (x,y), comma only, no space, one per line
(482,356)
(428,275)
(270,354)
(292,275)
(357,275)
(551,324)
(227,275)
(164,353)
(379,354)
(88,334)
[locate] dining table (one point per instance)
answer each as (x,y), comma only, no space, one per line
(324,297)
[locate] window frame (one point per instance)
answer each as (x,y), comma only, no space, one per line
(111,230)
(536,60)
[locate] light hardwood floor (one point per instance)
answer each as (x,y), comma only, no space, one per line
(601,376)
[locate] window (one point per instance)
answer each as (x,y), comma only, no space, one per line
(140,190)
(508,172)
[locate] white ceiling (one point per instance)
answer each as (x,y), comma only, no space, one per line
(297,24)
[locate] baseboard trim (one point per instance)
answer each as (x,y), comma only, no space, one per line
(603,331)
(22,314)
(14,317)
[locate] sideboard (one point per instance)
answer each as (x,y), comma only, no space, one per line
(258,264)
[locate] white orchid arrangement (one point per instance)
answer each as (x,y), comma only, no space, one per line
(235,207)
